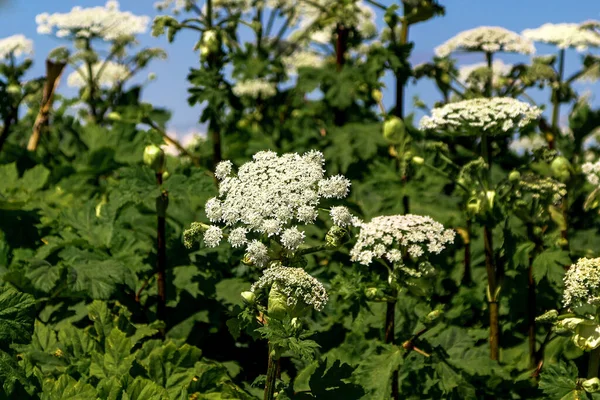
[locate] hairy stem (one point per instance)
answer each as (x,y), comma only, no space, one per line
(390,329)
(467,279)
(341,47)
(593,363)
(272,373)
(490,81)
(161,251)
(492,298)
(556,99)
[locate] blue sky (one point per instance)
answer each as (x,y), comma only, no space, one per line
(170,88)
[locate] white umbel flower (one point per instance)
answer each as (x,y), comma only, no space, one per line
(397,236)
(592,172)
(257,253)
(255,88)
(108,22)
(292,238)
(213,236)
(16,45)
(303,58)
(486,39)
(498,115)
(499,70)
(223,169)
(565,35)
(341,216)
(104,74)
(296,284)
(582,283)
(527,144)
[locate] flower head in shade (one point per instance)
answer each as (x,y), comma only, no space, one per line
(296,284)
(104,74)
(255,88)
(395,237)
(303,58)
(486,39)
(495,116)
(565,35)
(326,14)
(526,144)
(270,196)
(108,22)
(592,172)
(16,45)
(475,75)
(582,283)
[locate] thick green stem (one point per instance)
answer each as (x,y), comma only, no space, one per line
(161,251)
(467,279)
(556,99)
(272,372)
(490,81)
(390,329)
(593,363)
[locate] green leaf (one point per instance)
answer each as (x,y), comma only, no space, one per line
(10,374)
(35,178)
(117,357)
(144,389)
(333,382)
(67,388)
(17,312)
(375,374)
(559,382)
(549,264)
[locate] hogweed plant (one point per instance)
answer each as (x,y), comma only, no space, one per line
(401,243)
(260,207)
(485,118)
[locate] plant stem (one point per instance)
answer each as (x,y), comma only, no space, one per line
(556,99)
(492,298)
(390,329)
(490,81)
(593,363)
(161,251)
(467,279)
(272,372)
(341,47)
(534,356)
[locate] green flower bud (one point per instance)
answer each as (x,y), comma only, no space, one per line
(548,316)
(371,293)
(249,297)
(13,88)
(277,307)
(391,19)
(562,242)
(154,157)
(210,39)
(418,160)
(377,95)
(587,335)
(335,237)
(165,175)
(435,314)
(591,385)
(445,78)
(537,231)
(113,116)
(490,197)
(514,176)
(561,168)
(394,130)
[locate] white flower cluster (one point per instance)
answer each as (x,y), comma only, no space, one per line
(582,283)
(270,194)
(328,13)
(487,39)
(108,22)
(296,284)
(496,116)
(499,70)
(397,236)
(302,58)
(592,172)
(527,144)
(105,75)
(177,5)
(16,45)
(255,88)
(564,36)
(541,188)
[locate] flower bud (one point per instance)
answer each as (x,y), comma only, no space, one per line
(210,40)
(249,297)
(154,157)
(562,242)
(371,293)
(587,335)
(296,323)
(435,314)
(377,95)
(394,130)
(391,19)
(561,168)
(418,160)
(548,316)
(113,116)
(13,88)
(335,236)
(514,176)
(591,385)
